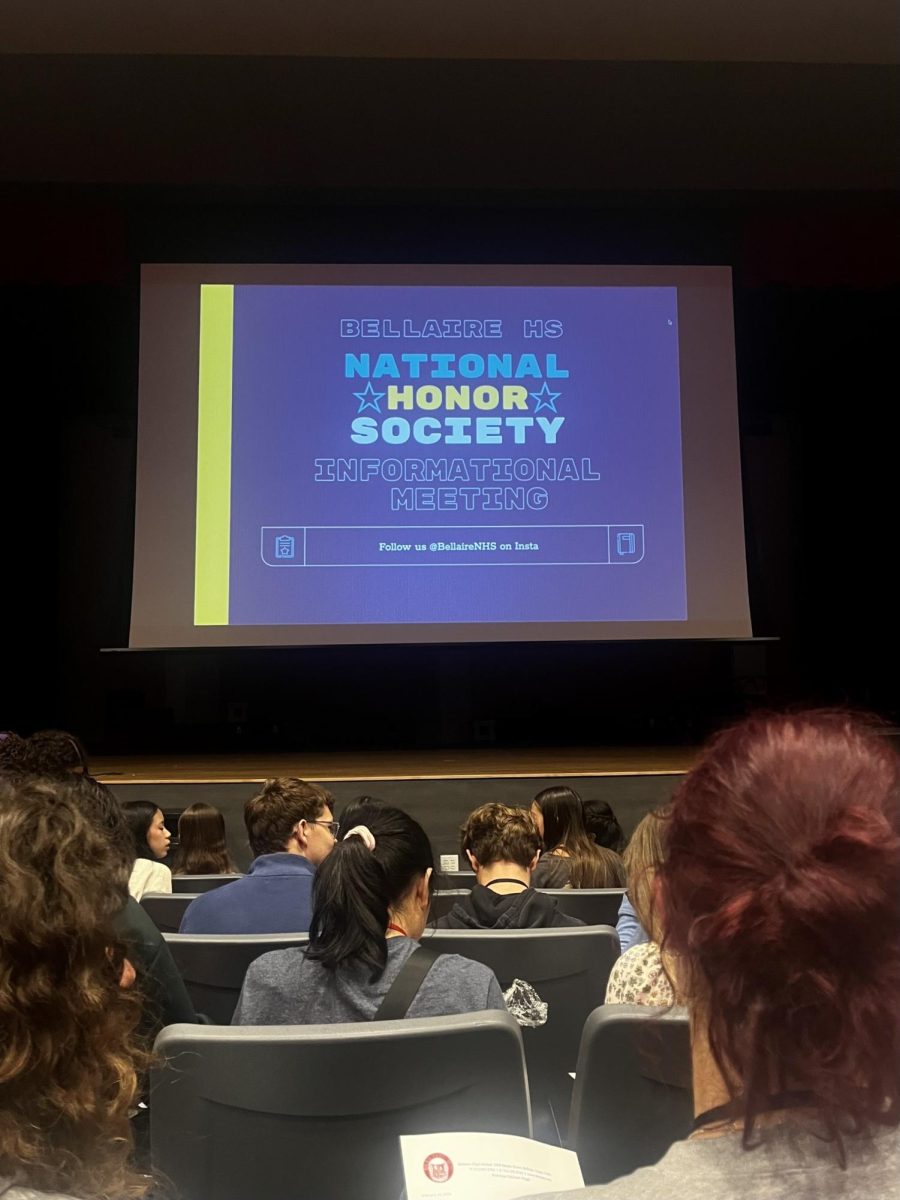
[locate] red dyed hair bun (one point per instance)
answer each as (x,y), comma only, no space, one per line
(781,892)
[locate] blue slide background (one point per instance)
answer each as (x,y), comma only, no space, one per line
(293,404)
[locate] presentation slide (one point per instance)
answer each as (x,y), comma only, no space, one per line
(334,455)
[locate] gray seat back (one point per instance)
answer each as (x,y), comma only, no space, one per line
(633,1095)
(442,902)
(213,966)
(449,880)
(165,909)
(316,1111)
(201,883)
(569,968)
(594,906)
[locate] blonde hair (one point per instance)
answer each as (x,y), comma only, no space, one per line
(643,857)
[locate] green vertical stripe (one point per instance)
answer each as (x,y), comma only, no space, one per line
(213,548)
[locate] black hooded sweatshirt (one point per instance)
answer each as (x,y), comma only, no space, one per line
(484,908)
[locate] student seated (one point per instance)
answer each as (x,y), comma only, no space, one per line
(503,846)
(779,892)
(603,825)
(571,857)
(370,907)
(291,830)
(638,976)
(166,1000)
(69,1055)
(150,843)
(202,848)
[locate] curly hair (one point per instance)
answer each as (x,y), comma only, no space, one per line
(780,889)
(69,1059)
(497,833)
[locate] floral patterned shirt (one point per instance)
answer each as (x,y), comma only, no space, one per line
(638,978)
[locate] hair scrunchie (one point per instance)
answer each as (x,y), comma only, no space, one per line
(364,832)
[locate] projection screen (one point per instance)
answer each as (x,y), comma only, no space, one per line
(377,454)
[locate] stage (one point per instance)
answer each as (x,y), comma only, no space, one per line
(438,787)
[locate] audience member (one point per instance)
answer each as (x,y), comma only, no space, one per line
(202,848)
(13,754)
(69,1057)
(371,901)
(150,840)
(503,847)
(602,824)
(779,891)
(291,830)
(639,976)
(50,753)
(354,813)
(166,1000)
(571,858)
(628,927)
(56,754)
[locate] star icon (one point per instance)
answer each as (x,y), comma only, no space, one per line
(368,398)
(545,398)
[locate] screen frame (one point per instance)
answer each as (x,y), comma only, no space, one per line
(163,579)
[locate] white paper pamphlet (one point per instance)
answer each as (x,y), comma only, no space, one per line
(484,1166)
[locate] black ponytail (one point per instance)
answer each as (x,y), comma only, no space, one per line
(355,888)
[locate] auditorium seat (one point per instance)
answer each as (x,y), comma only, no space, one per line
(594,906)
(213,966)
(166,909)
(201,883)
(316,1110)
(442,902)
(569,969)
(448,880)
(632,1096)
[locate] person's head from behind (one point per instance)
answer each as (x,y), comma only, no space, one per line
(202,848)
(779,891)
(355,813)
(68,1054)
(150,838)
(496,834)
(291,816)
(602,825)
(643,857)
(558,813)
(13,753)
(56,754)
(378,875)
(101,807)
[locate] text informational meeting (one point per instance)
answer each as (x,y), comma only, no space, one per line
(350,454)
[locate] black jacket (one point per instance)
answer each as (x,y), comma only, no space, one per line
(484,908)
(166,1000)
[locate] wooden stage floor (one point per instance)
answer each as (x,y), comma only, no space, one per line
(530,762)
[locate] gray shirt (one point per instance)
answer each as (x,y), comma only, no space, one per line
(790,1164)
(287,988)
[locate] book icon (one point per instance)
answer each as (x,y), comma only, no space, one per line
(284,546)
(626,543)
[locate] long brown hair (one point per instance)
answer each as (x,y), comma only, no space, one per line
(68,1054)
(202,849)
(590,865)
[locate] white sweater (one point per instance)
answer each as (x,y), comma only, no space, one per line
(149,876)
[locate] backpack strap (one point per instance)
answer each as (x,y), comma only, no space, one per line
(405,987)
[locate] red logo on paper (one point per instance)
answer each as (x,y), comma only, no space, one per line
(438,1168)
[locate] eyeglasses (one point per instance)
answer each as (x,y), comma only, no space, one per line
(333,826)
